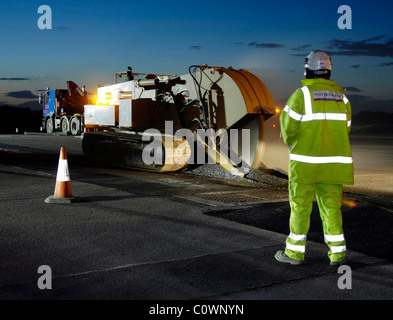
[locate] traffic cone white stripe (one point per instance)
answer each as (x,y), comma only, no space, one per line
(62,171)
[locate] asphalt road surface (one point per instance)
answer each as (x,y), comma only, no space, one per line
(180,236)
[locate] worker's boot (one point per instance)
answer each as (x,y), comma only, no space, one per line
(282,257)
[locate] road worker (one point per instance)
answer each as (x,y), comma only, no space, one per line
(315,124)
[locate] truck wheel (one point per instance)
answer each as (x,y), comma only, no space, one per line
(75,126)
(65,126)
(49,125)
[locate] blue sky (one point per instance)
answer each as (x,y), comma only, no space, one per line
(91,40)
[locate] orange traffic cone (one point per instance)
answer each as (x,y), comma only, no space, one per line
(63,192)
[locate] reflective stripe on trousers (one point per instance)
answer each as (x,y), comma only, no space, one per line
(329,202)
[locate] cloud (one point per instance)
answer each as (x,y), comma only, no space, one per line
(33,105)
(352,89)
(305,49)
(15,79)
(368,103)
(195,47)
(355,66)
(368,47)
(26,94)
(385,64)
(264,45)
(302,48)
(299,55)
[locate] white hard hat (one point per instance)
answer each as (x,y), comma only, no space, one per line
(318,60)
(318,63)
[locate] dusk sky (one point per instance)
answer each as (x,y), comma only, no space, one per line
(91,40)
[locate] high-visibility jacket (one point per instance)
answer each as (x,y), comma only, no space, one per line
(315,124)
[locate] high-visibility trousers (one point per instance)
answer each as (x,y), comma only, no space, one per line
(329,197)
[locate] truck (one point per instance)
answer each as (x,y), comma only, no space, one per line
(63,109)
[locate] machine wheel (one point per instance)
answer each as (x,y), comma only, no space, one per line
(65,125)
(75,126)
(49,125)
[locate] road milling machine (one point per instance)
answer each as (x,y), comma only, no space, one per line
(161,123)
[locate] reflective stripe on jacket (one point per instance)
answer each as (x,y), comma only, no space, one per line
(315,123)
